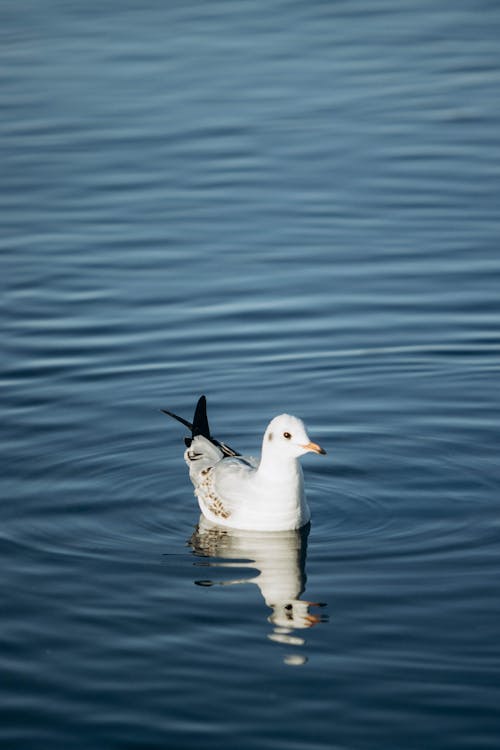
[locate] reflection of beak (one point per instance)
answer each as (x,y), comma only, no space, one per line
(312,620)
(314,447)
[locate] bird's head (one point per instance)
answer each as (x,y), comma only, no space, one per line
(287,436)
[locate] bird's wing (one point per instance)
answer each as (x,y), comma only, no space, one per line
(199,427)
(222,484)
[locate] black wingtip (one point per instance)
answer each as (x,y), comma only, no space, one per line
(200,419)
(179,419)
(200,427)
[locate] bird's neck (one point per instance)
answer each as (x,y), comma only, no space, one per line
(279,468)
(281,492)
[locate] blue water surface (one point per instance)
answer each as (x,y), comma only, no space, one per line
(288,206)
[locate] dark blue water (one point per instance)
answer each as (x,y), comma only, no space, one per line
(289,207)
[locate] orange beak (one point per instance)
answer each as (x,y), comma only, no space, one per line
(314,448)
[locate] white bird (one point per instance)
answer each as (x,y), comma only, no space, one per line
(237,491)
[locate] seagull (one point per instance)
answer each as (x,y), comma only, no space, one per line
(239,492)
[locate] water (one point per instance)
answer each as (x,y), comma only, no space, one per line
(290,207)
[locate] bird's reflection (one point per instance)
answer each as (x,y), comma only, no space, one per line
(280,559)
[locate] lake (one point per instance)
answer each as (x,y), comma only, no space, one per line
(290,207)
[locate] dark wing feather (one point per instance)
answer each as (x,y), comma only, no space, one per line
(179,419)
(200,419)
(199,426)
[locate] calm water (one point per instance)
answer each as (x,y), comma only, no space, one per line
(288,206)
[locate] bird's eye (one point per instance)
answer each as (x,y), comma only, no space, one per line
(287,435)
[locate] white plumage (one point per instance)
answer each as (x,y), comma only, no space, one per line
(242,493)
